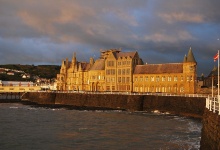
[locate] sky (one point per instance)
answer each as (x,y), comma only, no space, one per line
(162,31)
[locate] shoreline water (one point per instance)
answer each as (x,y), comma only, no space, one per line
(105,129)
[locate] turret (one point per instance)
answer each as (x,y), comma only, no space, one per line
(190,56)
(74,59)
(185,59)
(67,63)
(189,71)
(91,61)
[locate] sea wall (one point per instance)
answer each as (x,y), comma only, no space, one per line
(210,138)
(187,106)
(40,97)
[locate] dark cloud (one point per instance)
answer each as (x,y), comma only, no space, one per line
(45,32)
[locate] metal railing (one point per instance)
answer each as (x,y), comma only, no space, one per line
(213,104)
(132,93)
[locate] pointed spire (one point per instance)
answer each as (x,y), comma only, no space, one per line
(185,59)
(74,59)
(215,68)
(190,56)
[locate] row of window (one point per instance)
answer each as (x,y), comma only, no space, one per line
(120,63)
(173,89)
(120,88)
(123,63)
(163,78)
(124,71)
(120,71)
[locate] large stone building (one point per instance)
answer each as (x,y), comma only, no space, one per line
(125,72)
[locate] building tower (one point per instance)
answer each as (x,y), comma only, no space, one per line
(189,71)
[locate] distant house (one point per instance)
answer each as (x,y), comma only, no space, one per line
(2,71)
(25,76)
(10,73)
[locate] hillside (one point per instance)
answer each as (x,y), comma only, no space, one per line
(41,71)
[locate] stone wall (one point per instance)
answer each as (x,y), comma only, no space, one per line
(210,139)
(187,106)
(40,97)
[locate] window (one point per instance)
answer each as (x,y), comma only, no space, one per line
(163,78)
(119,71)
(107,88)
(113,71)
(175,78)
(141,78)
(128,71)
(123,71)
(169,78)
(157,78)
(128,79)
(181,78)
(135,79)
(181,89)
(119,63)
(146,78)
(119,79)
(110,63)
(123,79)
(151,79)
(191,78)
(187,78)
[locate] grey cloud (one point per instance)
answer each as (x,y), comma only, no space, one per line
(162,31)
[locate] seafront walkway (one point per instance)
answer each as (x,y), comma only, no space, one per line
(18,95)
(135,93)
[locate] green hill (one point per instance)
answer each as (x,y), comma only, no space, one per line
(42,71)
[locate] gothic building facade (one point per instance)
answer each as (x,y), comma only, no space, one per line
(125,72)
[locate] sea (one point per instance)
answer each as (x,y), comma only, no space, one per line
(26,127)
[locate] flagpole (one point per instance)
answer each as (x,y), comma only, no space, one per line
(218,75)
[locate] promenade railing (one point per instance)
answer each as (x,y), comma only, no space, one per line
(213,104)
(132,93)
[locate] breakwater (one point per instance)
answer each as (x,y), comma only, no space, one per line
(187,106)
(210,139)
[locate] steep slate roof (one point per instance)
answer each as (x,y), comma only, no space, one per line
(125,54)
(98,65)
(85,66)
(214,72)
(159,68)
(190,57)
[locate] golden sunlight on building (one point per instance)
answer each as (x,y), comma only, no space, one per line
(118,71)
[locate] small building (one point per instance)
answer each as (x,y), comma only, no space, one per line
(10,73)
(17,86)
